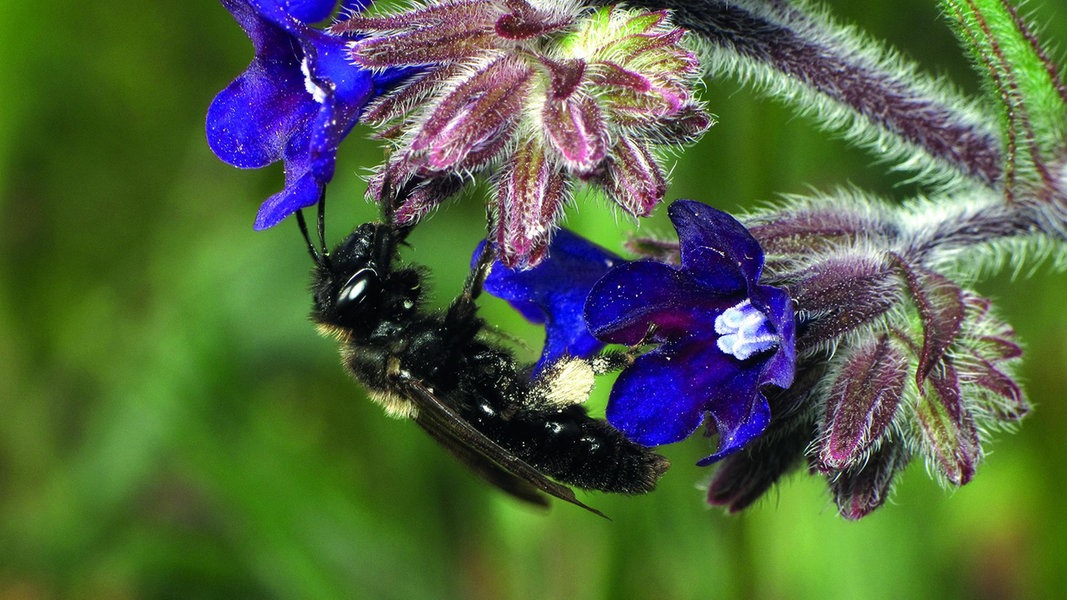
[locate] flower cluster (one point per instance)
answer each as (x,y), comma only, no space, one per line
(848,349)
(538,94)
(835,332)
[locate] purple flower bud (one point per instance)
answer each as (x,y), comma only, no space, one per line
(530,193)
(862,402)
(815,228)
(576,130)
(860,490)
(841,293)
(481,110)
(634,178)
(948,429)
(527,21)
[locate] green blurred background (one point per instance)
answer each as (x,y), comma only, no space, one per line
(172,427)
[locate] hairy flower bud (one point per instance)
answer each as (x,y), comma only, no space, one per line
(865,487)
(584,94)
(862,402)
(840,294)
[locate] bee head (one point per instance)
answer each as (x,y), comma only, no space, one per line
(355,286)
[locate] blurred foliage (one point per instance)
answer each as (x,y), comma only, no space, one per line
(173,427)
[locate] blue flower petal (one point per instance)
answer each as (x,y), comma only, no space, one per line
(249,122)
(662,397)
(345,91)
(306,11)
(302,189)
(740,413)
(715,247)
(554,293)
(778,306)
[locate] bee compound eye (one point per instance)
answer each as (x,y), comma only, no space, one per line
(358,287)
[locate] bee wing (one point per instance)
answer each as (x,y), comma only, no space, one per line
(482,455)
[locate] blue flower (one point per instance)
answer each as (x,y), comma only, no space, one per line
(721,335)
(554,293)
(296,101)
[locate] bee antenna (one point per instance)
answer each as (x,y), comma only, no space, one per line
(315,256)
(473,286)
(320,256)
(322,224)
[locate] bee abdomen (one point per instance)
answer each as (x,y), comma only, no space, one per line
(591,454)
(574,448)
(566,443)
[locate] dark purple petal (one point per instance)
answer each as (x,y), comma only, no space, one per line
(631,298)
(716,248)
(554,293)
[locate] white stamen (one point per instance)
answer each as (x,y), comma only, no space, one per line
(744,331)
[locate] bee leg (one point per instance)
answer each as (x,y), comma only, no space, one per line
(473,287)
(610,362)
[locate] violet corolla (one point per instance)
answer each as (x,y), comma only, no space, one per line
(554,293)
(296,101)
(721,335)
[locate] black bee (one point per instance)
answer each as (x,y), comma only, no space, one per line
(467,393)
